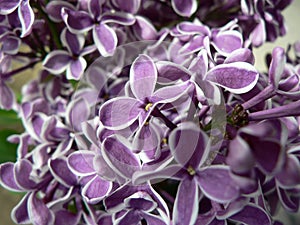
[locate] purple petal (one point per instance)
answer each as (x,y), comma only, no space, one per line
(143,29)
(76,68)
(228,41)
(103,169)
(115,200)
(218,222)
(49,124)
(119,113)
(173,93)
(238,77)
(19,213)
(194,45)
(232,208)
(57,61)
(289,83)
(96,189)
(66,218)
(271,161)
(81,163)
(7,7)
(258,35)
(7,97)
(146,139)
(173,171)
(252,215)
(119,157)
(289,175)
(184,7)
(106,218)
(38,212)
(11,45)
(54,8)
(289,202)
(199,65)
(7,178)
(60,170)
(143,77)
(26,16)
(121,18)
(77,21)
(190,28)
(130,6)
(188,145)
(277,65)
(22,171)
(130,217)
(90,132)
(105,39)
(268,154)
(169,72)
(140,201)
(37,121)
(240,158)
(78,111)
(186,203)
(73,42)
(217,184)
(154,219)
(95,8)
(241,55)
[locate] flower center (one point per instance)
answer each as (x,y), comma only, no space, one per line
(191,171)
(148,106)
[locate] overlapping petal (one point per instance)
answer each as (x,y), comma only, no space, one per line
(118,155)
(26,17)
(184,8)
(216,183)
(120,112)
(81,163)
(57,61)
(77,21)
(96,189)
(237,77)
(105,39)
(7,7)
(143,77)
(189,145)
(186,203)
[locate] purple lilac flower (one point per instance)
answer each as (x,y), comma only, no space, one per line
(96,19)
(72,60)
(169,122)
(25,13)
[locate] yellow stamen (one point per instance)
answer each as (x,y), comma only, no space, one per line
(191,171)
(147,107)
(164,141)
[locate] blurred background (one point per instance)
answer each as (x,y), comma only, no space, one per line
(8,199)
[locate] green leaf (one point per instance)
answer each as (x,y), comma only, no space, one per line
(8,151)
(10,120)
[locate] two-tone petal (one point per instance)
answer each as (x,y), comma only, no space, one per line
(237,77)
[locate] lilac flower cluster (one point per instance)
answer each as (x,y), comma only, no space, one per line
(150,112)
